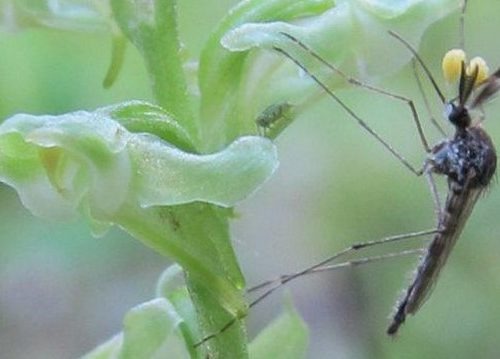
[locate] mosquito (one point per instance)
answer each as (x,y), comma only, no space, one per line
(467,160)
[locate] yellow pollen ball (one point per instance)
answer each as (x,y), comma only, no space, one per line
(452,64)
(482,72)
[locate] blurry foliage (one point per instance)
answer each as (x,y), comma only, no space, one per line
(67,292)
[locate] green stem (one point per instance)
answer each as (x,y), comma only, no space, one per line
(193,236)
(153,30)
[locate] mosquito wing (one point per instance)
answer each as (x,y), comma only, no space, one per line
(490,88)
(457,210)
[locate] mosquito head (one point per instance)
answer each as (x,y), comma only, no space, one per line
(458,115)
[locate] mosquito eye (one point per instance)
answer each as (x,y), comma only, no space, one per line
(482,70)
(452,64)
(448,109)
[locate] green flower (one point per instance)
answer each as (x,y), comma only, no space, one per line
(90,163)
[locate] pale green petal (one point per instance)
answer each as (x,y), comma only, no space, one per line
(352,35)
(223,178)
(87,162)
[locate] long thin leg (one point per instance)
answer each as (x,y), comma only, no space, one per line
(284,279)
(426,100)
(325,265)
(356,82)
(362,261)
(438,208)
(421,62)
(360,121)
(428,174)
(462,25)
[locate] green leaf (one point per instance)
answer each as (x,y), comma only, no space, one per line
(286,337)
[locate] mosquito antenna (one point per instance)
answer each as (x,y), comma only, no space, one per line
(350,112)
(421,62)
(462,24)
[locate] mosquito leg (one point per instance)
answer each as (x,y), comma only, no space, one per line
(324,266)
(367,260)
(438,208)
(421,62)
(356,82)
(426,100)
(284,279)
(462,24)
(352,113)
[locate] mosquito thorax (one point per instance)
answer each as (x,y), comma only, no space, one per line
(468,159)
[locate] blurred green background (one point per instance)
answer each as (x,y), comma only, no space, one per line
(62,292)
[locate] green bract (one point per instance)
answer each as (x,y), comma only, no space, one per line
(90,163)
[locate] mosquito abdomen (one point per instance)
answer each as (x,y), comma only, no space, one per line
(457,209)
(469,162)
